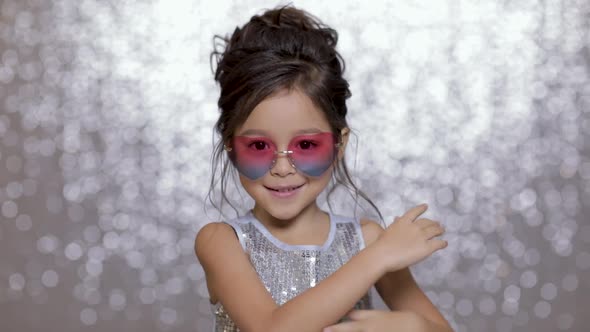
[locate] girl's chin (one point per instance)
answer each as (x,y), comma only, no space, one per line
(286,211)
(284,214)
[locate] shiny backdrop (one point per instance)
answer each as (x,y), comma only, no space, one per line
(479,108)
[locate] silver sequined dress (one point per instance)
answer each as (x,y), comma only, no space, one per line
(287,270)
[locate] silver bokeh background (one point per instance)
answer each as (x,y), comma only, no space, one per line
(479,108)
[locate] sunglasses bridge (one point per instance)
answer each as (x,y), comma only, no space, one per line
(287,154)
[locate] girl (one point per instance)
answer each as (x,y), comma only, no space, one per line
(287,265)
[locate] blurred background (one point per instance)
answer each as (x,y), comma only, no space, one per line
(479,108)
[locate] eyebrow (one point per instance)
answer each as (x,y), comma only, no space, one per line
(265,133)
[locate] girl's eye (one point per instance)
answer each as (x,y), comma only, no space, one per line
(306,145)
(258,145)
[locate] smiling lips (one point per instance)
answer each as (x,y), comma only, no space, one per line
(284,191)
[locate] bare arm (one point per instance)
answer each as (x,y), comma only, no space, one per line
(233,281)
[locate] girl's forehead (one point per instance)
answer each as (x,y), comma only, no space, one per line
(274,136)
(290,112)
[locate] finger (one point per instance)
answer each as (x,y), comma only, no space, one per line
(344,327)
(433,230)
(437,244)
(425,223)
(414,212)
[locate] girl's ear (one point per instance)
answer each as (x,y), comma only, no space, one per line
(343,141)
(227,146)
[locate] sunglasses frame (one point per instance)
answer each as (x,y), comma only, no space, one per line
(287,153)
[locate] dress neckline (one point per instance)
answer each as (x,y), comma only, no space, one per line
(286,246)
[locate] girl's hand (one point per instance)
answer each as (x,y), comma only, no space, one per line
(408,240)
(379,321)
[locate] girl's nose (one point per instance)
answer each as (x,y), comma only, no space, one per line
(282,165)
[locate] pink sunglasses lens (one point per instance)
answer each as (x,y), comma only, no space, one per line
(252,156)
(313,154)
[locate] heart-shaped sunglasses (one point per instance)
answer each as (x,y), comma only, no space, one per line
(311,154)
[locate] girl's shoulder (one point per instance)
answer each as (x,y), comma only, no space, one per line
(212,233)
(219,228)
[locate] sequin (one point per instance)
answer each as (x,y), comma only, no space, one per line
(287,270)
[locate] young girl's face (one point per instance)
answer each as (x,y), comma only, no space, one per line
(285,183)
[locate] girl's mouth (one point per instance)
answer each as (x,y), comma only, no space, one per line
(284,191)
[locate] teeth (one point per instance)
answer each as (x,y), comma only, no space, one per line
(284,189)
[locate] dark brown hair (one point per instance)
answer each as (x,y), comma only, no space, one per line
(284,48)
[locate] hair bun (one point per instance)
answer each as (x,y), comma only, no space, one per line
(273,27)
(293,18)
(289,17)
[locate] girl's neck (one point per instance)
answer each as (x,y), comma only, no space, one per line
(306,220)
